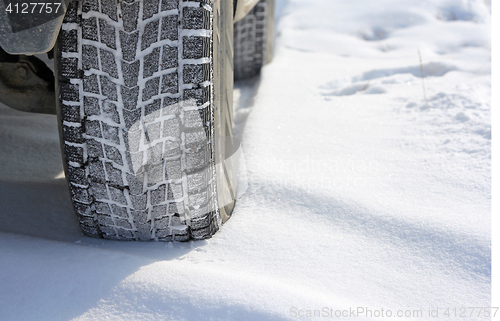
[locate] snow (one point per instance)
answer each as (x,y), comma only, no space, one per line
(364,190)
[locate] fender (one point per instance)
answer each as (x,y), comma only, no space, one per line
(29,30)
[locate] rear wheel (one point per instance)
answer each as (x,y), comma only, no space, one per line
(145,93)
(253,40)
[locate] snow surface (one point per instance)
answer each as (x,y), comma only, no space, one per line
(369,184)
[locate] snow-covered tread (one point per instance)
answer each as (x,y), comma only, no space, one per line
(253,37)
(135,81)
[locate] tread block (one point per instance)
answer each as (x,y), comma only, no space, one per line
(199,95)
(169,83)
(108,88)
(139,202)
(107,33)
(94,148)
(89,29)
(196,118)
(69,68)
(174,192)
(195,47)
(158,195)
(155,157)
(196,160)
(119,211)
(141,219)
(70,113)
(108,64)
(158,212)
(74,153)
(69,39)
(172,148)
(102,208)
(170,106)
(197,181)
(93,128)
(136,187)
(85,219)
(84,210)
(114,175)
(133,140)
(90,59)
(90,230)
(129,97)
(72,13)
(153,131)
(90,5)
(152,111)
(198,199)
(109,7)
(130,73)
(130,14)
(73,134)
(201,222)
(150,8)
(104,220)
(154,174)
(91,84)
(110,133)
(173,169)
(168,4)
(170,57)
(150,34)
(77,175)
(69,92)
(129,44)
(169,28)
(151,88)
(151,63)
(80,194)
(124,224)
(176,208)
(109,231)
(199,213)
(96,171)
(117,195)
(195,18)
(113,154)
(196,139)
(164,235)
(162,221)
(171,128)
(196,74)
(99,191)
(91,105)
(110,110)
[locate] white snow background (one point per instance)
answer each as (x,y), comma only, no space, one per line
(363,192)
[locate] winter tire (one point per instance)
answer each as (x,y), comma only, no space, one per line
(253,40)
(145,94)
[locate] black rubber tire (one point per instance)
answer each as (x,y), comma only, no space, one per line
(142,87)
(253,40)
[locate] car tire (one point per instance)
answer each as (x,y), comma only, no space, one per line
(144,93)
(253,40)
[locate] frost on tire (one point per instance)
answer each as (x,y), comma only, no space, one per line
(136,101)
(253,39)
